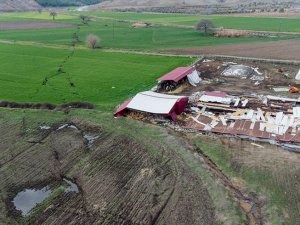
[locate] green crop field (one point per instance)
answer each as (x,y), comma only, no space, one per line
(232,22)
(25,16)
(120,35)
(104,79)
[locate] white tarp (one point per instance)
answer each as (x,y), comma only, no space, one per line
(194,78)
(296,112)
(153,102)
(208,98)
(298,76)
(283,99)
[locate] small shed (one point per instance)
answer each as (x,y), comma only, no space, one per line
(155,103)
(177,74)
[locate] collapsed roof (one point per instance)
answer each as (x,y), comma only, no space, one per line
(177,74)
(156,103)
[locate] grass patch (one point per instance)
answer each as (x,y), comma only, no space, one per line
(101,78)
(261,179)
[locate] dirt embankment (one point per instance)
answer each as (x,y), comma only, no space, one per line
(122,181)
(30,25)
(282,50)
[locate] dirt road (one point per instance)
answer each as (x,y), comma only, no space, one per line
(284,50)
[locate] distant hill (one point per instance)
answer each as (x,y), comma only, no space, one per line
(59,3)
(32,5)
(18,5)
(176,3)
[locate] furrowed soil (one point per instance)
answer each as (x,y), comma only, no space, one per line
(281,50)
(29,25)
(122,180)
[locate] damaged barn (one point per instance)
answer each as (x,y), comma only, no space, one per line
(237,98)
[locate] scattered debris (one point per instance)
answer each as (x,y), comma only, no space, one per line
(90,139)
(242,72)
(45,127)
(257,145)
(67,126)
(298,76)
(281,89)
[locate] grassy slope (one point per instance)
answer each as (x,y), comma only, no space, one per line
(93,73)
(244,23)
(278,183)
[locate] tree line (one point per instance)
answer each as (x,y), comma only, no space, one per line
(61,3)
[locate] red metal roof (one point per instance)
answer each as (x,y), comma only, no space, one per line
(216,93)
(177,74)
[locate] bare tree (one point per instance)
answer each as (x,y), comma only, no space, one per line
(92,41)
(53,14)
(205,25)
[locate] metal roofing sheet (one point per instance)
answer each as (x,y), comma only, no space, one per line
(152,102)
(177,74)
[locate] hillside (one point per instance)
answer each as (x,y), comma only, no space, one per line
(18,5)
(176,3)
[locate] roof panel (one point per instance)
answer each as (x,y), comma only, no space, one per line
(177,74)
(153,102)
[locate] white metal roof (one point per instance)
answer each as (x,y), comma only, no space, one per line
(153,102)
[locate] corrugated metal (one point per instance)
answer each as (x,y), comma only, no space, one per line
(177,74)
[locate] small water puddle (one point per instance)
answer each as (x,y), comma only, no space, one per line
(72,186)
(26,200)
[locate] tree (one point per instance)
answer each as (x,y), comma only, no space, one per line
(92,41)
(205,25)
(85,19)
(53,14)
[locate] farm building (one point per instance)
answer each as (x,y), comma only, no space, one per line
(155,103)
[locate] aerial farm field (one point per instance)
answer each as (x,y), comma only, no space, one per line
(229,22)
(92,168)
(119,34)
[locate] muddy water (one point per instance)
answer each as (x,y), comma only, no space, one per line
(26,200)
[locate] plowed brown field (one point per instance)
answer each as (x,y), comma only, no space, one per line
(282,50)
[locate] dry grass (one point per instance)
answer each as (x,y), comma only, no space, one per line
(231,33)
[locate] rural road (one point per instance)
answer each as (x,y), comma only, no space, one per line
(283,50)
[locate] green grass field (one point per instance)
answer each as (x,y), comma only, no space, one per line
(233,22)
(105,79)
(117,34)
(120,35)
